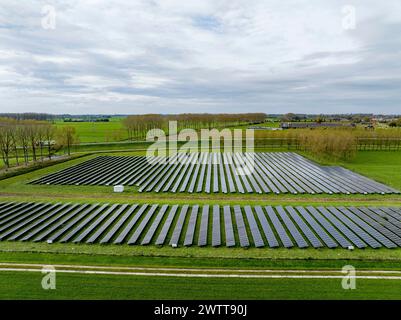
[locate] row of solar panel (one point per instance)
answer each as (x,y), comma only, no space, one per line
(246,226)
(278,172)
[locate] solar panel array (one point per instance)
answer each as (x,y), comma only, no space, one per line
(231,226)
(276,172)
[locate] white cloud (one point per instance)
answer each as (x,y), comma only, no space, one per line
(200,56)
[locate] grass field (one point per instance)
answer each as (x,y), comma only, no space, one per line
(382,166)
(388,171)
(98,131)
(79,286)
(26,285)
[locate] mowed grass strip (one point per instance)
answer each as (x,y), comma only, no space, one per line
(27,285)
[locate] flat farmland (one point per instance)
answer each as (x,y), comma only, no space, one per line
(230,226)
(277,172)
(92,132)
(84,247)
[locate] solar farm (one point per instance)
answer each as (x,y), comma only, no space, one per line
(197,225)
(200,215)
(279,172)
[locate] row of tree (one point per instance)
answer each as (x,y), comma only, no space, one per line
(138,125)
(29,116)
(23,140)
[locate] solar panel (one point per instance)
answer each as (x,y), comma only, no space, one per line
(371,231)
(73,212)
(202,173)
(239,171)
(215,173)
(216,236)
(301,243)
(19,212)
(71,223)
(184,170)
(243,237)
(222,174)
(366,237)
(382,220)
(304,228)
(142,225)
(329,227)
(171,166)
(50,223)
(230,239)
(273,172)
(208,174)
(284,177)
(381,224)
(202,240)
(192,165)
(389,216)
(117,226)
(107,224)
(278,180)
(166,227)
(238,183)
(26,222)
(53,212)
(189,237)
(329,242)
(12,221)
(195,174)
(269,234)
(149,235)
(178,227)
(257,237)
(343,228)
(231,186)
(88,229)
(123,234)
(285,239)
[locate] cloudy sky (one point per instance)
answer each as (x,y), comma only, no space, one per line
(174,56)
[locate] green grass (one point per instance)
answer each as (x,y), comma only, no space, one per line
(98,131)
(27,285)
(224,256)
(16,188)
(382,166)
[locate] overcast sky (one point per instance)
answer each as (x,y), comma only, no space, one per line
(175,56)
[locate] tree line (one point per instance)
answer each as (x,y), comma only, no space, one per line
(23,140)
(138,125)
(29,116)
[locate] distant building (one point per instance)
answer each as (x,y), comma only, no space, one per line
(265,128)
(312,125)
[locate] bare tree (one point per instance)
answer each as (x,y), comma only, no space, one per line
(6,141)
(49,133)
(68,137)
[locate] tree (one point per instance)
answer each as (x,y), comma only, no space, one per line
(6,141)
(68,137)
(49,131)
(23,138)
(289,117)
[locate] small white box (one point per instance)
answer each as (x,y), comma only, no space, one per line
(118,188)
